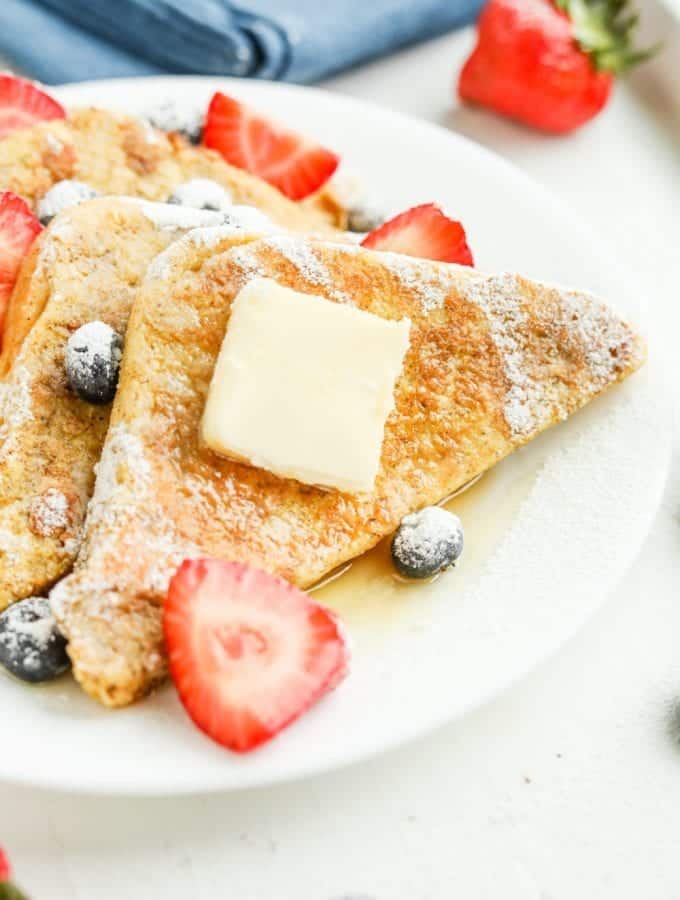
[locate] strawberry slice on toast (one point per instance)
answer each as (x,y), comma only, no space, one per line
(423,231)
(22,104)
(292,163)
(18,229)
(248,652)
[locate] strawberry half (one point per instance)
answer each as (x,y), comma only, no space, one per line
(550,63)
(292,163)
(423,231)
(248,652)
(18,229)
(22,104)
(5,868)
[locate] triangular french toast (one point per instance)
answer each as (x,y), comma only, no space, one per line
(493,360)
(85,267)
(123,155)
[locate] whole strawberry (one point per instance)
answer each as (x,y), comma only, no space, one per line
(5,868)
(8,891)
(550,63)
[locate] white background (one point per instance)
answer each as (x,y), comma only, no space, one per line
(568,786)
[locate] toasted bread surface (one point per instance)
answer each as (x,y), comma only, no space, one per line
(86,266)
(493,361)
(120,154)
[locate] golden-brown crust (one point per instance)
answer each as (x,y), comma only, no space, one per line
(492,362)
(117,154)
(87,266)
(28,300)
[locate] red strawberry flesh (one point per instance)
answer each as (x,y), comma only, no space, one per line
(22,104)
(292,163)
(248,652)
(423,231)
(18,229)
(5,868)
(527,66)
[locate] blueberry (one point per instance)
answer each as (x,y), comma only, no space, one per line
(427,542)
(171,116)
(93,355)
(248,218)
(363,218)
(31,647)
(202,193)
(62,195)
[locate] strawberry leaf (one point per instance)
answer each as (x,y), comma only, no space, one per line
(604,29)
(9,891)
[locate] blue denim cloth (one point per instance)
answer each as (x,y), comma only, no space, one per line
(292,40)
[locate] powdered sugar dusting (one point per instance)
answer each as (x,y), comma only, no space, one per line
(13,545)
(606,343)
(235,222)
(250,219)
(164,266)
(123,472)
(427,537)
(210,237)
(53,143)
(246,260)
(15,407)
(599,332)
(430,283)
(151,135)
(298,251)
(93,343)
(161,267)
(60,232)
(171,217)
(202,193)
(49,513)
(122,449)
(29,630)
(61,196)
(500,299)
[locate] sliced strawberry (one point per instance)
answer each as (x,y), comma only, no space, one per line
(423,231)
(293,164)
(248,652)
(5,868)
(18,229)
(22,104)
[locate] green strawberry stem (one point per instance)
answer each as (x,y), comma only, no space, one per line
(604,30)
(9,891)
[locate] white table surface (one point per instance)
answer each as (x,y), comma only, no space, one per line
(566,787)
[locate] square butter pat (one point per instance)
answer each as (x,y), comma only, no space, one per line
(303,386)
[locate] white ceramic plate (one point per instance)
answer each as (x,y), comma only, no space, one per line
(549,532)
(673,6)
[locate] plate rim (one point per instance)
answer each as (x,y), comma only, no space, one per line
(136,786)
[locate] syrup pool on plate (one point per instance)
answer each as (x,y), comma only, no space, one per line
(368,592)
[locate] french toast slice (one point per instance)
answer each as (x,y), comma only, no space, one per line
(493,361)
(85,267)
(124,155)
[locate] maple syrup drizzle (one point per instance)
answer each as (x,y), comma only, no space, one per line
(332,576)
(460,490)
(343,568)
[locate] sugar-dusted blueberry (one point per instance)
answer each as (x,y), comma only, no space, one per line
(202,193)
(169,115)
(363,218)
(93,355)
(427,542)
(249,218)
(31,646)
(61,196)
